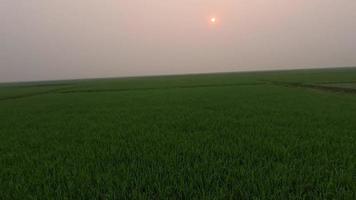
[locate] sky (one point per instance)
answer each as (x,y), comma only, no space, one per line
(71,39)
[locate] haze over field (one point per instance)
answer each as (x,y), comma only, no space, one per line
(63,39)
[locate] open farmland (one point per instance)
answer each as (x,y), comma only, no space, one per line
(258,135)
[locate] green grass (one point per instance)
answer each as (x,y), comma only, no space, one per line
(217,136)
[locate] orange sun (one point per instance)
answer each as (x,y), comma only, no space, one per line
(213,20)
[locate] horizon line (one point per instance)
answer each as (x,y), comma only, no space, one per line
(178,74)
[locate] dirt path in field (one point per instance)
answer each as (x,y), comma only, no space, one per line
(317,87)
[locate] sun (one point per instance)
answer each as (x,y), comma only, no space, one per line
(213,20)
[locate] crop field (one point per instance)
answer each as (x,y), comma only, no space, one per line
(257,135)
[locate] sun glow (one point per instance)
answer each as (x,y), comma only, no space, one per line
(213,20)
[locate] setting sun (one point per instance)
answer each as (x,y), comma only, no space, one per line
(213,20)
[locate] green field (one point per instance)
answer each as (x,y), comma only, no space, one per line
(259,135)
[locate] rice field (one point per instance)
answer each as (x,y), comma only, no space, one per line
(257,135)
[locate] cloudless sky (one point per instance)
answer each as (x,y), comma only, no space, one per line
(66,39)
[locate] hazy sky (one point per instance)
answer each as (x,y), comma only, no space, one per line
(64,39)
